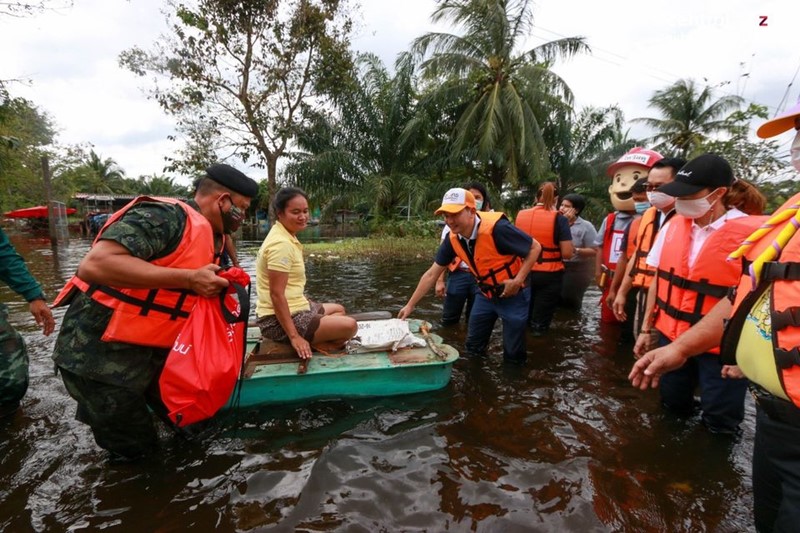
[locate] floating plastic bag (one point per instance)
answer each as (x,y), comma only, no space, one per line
(205,361)
(383,336)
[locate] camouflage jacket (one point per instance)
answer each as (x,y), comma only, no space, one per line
(150,230)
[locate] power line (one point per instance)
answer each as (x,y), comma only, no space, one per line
(782,103)
(639,68)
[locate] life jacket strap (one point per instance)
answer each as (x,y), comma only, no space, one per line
(702,287)
(147,305)
(774,270)
(787,358)
(783,319)
(685,316)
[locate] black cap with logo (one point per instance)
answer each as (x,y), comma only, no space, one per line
(707,171)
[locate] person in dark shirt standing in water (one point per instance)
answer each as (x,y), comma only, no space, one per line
(500,257)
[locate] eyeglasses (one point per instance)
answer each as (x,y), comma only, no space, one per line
(652,187)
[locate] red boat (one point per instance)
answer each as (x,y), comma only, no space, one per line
(39,211)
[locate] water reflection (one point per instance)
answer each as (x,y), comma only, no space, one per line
(560,444)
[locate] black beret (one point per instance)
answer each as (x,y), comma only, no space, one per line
(233,179)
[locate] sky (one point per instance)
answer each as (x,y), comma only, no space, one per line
(66,60)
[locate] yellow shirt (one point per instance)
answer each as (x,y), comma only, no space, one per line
(281,252)
(754,352)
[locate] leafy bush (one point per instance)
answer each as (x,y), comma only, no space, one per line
(406,228)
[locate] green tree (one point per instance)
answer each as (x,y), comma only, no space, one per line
(503,93)
(581,148)
(755,161)
(90,173)
(161,186)
(26,135)
(690,115)
(244,71)
(356,155)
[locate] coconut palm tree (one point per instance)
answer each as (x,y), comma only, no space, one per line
(582,146)
(108,175)
(155,185)
(354,155)
(502,93)
(690,115)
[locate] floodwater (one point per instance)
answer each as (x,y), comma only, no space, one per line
(563,443)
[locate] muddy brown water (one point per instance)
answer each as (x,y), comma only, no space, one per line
(561,444)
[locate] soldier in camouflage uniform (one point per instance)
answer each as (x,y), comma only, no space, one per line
(13,355)
(116,383)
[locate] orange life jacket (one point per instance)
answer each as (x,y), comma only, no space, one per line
(645,236)
(684,295)
(489,267)
(782,278)
(632,230)
(151,317)
(454,264)
(540,224)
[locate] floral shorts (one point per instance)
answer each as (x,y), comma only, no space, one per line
(306,323)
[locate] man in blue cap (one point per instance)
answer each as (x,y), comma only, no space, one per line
(130,297)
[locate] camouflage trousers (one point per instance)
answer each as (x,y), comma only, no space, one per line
(13,362)
(121,419)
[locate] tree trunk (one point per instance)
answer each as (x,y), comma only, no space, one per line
(496,176)
(272,184)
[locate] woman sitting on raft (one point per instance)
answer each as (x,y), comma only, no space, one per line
(284,313)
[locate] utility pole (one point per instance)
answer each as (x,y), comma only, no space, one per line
(51,212)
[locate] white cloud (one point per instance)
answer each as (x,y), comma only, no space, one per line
(638,47)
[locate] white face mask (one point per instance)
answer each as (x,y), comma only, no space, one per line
(641,207)
(478,204)
(795,152)
(659,200)
(694,208)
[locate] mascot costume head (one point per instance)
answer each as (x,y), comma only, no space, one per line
(630,167)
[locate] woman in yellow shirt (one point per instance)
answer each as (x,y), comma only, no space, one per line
(283,311)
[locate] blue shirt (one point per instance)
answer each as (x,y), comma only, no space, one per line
(508,239)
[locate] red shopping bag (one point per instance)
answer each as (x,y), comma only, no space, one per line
(205,361)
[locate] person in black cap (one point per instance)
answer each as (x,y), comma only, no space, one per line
(761,338)
(693,274)
(130,297)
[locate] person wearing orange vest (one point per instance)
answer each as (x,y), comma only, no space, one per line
(129,298)
(642,233)
(633,165)
(460,289)
(641,204)
(499,257)
(761,340)
(550,228)
(692,275)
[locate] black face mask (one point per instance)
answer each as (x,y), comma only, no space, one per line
(231,219)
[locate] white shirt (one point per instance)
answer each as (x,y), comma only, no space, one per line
(699,236)
(446,230)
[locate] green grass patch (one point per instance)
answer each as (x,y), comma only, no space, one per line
(378,248)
